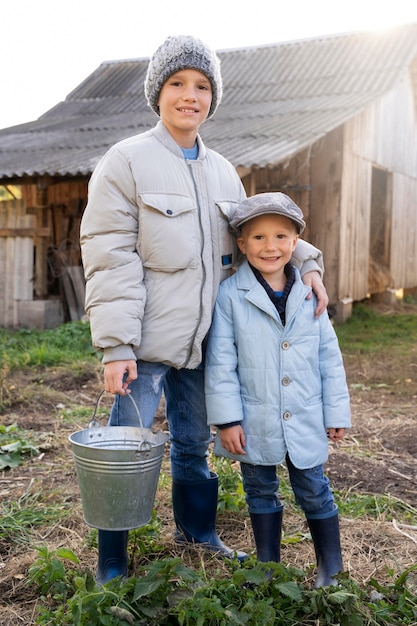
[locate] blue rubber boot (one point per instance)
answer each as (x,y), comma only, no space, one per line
(195,508)
(267,532)
(112,555)
(326,538)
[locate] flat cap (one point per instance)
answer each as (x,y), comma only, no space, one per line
(264,203)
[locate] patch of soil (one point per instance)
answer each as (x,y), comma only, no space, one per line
(378,456)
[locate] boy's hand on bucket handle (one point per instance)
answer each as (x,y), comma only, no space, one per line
(115,380)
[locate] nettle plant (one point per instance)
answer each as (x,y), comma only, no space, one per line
(167,592)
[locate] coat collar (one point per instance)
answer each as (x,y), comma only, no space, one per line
(162,133)
(247,281)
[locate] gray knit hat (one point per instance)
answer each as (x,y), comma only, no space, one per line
(182,52)
(263,203)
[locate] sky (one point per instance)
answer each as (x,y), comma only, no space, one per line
(48,47)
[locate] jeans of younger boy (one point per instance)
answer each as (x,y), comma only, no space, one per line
(185,410)
(310,486)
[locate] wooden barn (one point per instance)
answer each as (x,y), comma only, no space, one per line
(331,121)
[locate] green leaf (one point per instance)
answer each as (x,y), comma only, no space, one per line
(10,460)
(145,588)
(290,590)
(66,553)
(184,572)
(254,576)
(339,597)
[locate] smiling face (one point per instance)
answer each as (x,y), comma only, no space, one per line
(184,103)
(268,242)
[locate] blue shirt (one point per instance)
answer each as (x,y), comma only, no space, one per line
(190,153)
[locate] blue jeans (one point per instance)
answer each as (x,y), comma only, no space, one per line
(185,410)
(310,486)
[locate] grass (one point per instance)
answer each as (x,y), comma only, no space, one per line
(69,344)
(83,414)
(368,332)
(67,347)
(374,506)
(20,519)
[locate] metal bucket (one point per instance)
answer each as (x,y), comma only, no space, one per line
(118,469)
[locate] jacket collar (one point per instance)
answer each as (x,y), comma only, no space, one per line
(247,281)
(161,132)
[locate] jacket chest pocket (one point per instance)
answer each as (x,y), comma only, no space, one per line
(167,232)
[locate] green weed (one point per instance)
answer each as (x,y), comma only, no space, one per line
(49,574)
(168,593)
(231,495)
(14,446)
(146,538)
(396,603)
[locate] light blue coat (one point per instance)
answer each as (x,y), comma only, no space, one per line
(286,384)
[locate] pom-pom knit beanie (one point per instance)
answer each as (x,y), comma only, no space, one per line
(182,52)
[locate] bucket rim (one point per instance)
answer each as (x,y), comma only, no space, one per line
(159,434)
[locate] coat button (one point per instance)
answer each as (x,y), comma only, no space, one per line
(285,345)
(286,415)
(169,212)
(285,381)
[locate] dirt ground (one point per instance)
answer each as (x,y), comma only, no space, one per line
(378,456)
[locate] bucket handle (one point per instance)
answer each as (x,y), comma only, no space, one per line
(144,445)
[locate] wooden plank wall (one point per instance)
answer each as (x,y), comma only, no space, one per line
(383,136)
(67,201)
(325,217)
(404,232)
(16,259)
(58,207)
(354,222)
(63,205)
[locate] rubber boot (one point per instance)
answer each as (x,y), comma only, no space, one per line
(326,538)
(195,508)
(267,532)
(112,555)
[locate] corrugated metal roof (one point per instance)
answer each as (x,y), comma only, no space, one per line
(278,99)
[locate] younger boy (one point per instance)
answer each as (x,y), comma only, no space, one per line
(275,382)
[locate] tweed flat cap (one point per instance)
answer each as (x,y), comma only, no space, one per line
(263,203)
